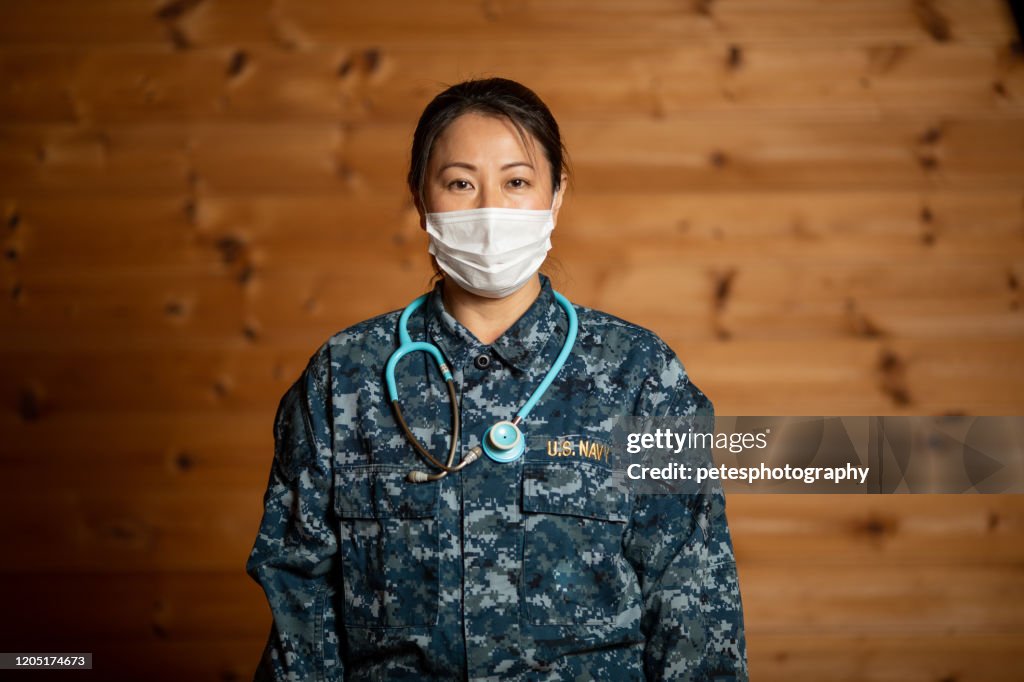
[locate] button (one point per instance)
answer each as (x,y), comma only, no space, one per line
(481,361)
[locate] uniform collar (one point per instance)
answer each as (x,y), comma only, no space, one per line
(521,345)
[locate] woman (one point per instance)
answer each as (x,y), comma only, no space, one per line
(391,550)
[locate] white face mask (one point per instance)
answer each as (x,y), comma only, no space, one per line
(491,252)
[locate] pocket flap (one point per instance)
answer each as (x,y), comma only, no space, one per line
(577,489)
(374,491)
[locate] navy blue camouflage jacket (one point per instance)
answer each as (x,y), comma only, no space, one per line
(546,568)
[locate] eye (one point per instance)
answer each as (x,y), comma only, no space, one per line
(459,184)
(519,183)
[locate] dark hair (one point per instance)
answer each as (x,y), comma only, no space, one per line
(495,97)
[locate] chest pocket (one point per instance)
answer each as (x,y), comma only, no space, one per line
(389,547)
(574,572)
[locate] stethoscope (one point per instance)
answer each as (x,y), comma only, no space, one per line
(503,441)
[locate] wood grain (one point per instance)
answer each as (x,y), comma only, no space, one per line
(817,205)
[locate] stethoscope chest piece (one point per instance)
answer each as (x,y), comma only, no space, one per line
(504,442)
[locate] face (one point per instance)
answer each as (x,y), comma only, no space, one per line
(480,162)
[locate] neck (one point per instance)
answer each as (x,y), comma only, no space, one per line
(488,318)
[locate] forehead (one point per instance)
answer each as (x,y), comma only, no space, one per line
(477,138)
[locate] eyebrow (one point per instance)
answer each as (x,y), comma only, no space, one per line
(469,166)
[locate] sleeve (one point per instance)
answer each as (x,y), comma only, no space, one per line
(294,554)
(680,546)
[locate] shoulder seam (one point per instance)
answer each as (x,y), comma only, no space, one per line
(362,323)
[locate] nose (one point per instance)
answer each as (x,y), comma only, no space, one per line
(483,200)
(489,197)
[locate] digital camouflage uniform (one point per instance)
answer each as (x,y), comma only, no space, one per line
(546,568)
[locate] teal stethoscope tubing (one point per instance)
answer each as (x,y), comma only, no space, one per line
(503,441)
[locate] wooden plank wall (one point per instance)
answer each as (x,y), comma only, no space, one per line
(819,205)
